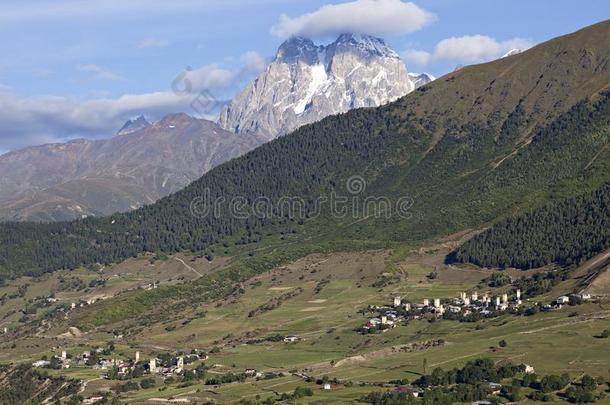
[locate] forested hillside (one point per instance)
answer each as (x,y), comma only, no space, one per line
(24,385)
(487,141)
(566,233)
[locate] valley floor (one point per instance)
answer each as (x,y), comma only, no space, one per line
(319,299)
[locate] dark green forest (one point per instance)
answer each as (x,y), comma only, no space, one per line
(565,233)
(22,384)
(452,184)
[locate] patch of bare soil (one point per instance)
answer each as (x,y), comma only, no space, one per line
(365,266)
(390,351)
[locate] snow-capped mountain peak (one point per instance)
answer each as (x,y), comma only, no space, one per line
(297,49)
(420,79)
(512,52)
(365,44)
(307,82)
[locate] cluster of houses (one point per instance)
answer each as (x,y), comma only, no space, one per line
(122,367)
(463,305)
(473,304)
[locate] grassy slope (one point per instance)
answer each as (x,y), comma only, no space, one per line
(552,343)
(473,146)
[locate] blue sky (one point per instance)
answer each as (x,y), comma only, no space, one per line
(79,68)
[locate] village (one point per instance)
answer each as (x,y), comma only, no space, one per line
(467,308)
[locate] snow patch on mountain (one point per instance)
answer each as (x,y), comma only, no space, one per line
(307,82)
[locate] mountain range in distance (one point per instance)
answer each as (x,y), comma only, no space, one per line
(145,161)
(139,165)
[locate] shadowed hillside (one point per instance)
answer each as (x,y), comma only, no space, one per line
(472,147)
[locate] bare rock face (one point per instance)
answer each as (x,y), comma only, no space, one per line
(98,177)
(132,126)
(306,83)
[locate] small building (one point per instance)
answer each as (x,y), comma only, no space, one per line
(495,388)
(426,302)
(454,308)
(564,299)
(291,339)
(152,366)
(529,369)
(397,301)
(327,387)
(41,363)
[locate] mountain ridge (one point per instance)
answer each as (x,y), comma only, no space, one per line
(99,177)
(307,82)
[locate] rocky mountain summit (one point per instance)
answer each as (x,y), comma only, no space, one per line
(307,82)
(132,126)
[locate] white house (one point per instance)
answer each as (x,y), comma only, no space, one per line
(529,369)
(564,299)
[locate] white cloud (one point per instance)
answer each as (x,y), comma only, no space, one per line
(376,17)
(99,73)
(253,61)
(476,48)
(213,77)
(153,43)
(209,77)
(26,121)
(45,119)
(466,49)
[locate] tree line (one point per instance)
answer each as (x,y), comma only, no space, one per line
(565,233)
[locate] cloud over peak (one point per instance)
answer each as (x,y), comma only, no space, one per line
(376,17)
